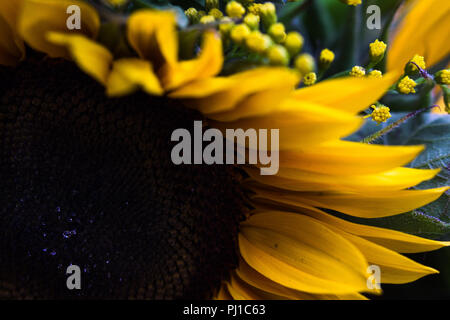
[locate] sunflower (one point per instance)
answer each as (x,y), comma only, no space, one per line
(87,177)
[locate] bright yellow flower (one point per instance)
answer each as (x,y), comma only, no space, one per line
(305,63)
(294,43)
(375,74)
(310,79)
(285,247)
(234,9)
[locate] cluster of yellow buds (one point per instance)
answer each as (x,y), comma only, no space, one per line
(254,26)
(406,85)
(375,74)
(443,77)
(411,67)
(380,113)
(358,72)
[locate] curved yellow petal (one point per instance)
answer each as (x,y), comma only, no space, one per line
(223,293)
(257,280)
(302,254)
(424,31)
(201,88)
(300,124)
(300,180)
(39,17)
(347,94)
(91,57)
(129,74)
(207,64)
(240,290)
(364,205)
(12,48)
(391,239)
(344,157)
(153,35)
(243,85)
(394,267)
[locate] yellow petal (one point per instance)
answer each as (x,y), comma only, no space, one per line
(38,17)
(300,180)
(223,293)
(153,35)
(364,205)
(394,267)
(129,74)
(300,124)
(207,64)
(346,94)
(391,239)
(259,103)
(244,84)
(424,31)
(240,290)
(256,279)
(12,49)
(91,57)
(300,253)
(344,157)
(200,88)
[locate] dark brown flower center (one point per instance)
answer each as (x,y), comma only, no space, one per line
(88,181)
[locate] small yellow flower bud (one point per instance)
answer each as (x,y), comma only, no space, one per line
(252,21)
(304,63)
(255,8)
(216,13)
(406,85)
(258,42)
(239,33)
(268,14)
(278,55)
(351,2)
(235,10)
(443,77)
(207,19)
(277,32)
(358,72)
(211,4)
(326,58)
(380,114)
(309,79)
(375,74)
(411,69)
(192,15)
(225,26)
(293,43)
(377,51)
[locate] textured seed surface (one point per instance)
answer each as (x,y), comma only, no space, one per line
(87,180)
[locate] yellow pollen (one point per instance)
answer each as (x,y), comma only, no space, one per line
(380,114)
(406,85)
(443,77)
(358,72)
(420,61)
